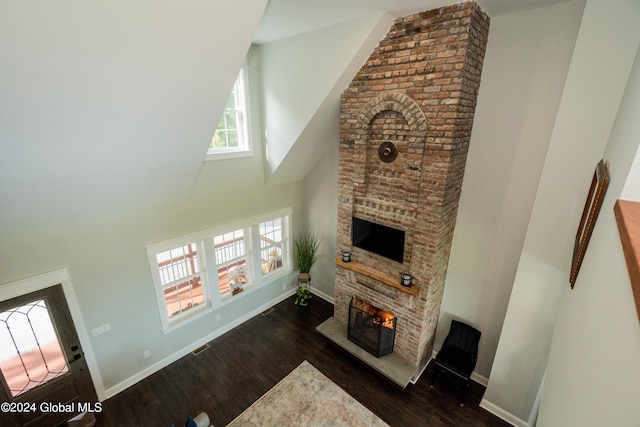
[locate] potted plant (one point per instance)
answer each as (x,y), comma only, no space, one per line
(305,255)
(303,295)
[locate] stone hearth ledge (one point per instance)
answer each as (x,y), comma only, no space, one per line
(392,366)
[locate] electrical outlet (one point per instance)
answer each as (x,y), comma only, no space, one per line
(146,354)
(218,317)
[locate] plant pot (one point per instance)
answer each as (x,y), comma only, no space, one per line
(304,277)
(303,295)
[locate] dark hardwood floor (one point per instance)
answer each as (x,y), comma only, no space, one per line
(246,362)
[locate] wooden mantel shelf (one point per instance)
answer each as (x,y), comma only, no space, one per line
(387,279)
(628,218)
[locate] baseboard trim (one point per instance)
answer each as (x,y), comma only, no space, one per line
(480,379)
(123,385)
(490,407)
(502,414)
(324,296)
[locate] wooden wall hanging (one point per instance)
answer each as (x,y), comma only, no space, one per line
(598,188)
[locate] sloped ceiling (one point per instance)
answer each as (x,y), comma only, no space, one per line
(284,18)
(108,106)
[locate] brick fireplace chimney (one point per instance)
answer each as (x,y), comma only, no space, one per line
(415,96)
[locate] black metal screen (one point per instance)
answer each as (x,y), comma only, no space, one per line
(370,332)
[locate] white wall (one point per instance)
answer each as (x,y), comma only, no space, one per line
(602,58)
(321,213)
(631,190)
(110,272)
(593,370)
(526,63)
(303,77)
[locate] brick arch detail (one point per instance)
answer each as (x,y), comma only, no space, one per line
(398,102)
(392,189)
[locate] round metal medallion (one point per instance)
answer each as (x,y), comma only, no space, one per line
(387,151)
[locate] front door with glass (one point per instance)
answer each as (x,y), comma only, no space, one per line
(44,377)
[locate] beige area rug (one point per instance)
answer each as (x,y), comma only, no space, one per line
(306,397)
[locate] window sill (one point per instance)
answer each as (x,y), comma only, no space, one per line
(228,155)
(628,218)
(276,274)
(192,315)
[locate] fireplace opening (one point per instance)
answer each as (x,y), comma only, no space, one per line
(372,329)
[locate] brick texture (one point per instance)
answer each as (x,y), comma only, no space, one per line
(418,90)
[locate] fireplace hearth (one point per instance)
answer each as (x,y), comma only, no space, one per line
(370,328)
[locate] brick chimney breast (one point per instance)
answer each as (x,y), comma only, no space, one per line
(415,97)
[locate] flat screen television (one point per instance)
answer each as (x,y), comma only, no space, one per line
(377,238)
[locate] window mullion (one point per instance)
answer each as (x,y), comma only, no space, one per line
(202,267)
(241,129)
(256,259)
(286,242)
(249,254)
(213,283)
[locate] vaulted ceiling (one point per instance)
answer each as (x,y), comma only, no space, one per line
(108,107)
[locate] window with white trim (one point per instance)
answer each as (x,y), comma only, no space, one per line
(193,274)
(181,275)
(271,245)
(231,138)
(231,259)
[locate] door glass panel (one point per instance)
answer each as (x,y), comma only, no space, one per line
(30,351)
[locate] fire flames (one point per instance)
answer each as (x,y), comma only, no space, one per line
(386,323)
(380,317)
